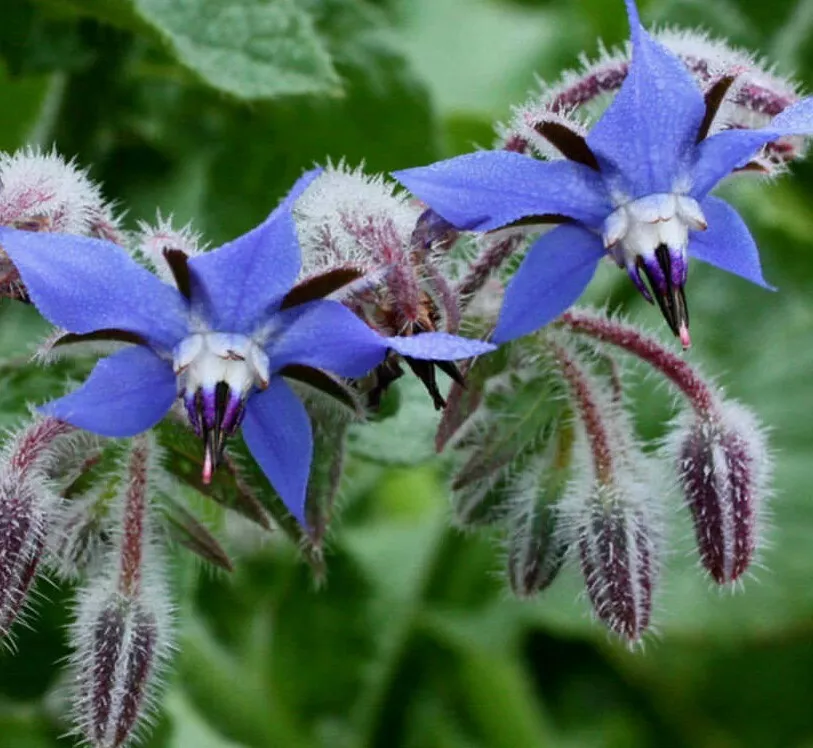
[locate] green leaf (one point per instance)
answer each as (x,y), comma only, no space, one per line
(251,49)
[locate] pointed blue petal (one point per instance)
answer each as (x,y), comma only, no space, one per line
(490,189)
(720,154)
(556,270)
(727,243)
(439,346)
(647,134)
(125,394)
(234,285)
(278,433)
(83,284)
(327,335)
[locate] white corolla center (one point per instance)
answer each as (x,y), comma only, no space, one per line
(640,226)
(204,359)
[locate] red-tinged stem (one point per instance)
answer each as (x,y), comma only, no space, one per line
(590,412)
(490,259)
(32,444)
(630,339)
(135,518)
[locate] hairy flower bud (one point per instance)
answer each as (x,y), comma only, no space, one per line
(26,501)
(723,465)
(536,551)
(617,554)
(43,192)
(123,624)
(350,221)
(22,534)
(118,654)
(611,506)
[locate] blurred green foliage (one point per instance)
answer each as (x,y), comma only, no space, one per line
(208,109)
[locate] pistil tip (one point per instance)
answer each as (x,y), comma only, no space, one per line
(207,467)
(685,339)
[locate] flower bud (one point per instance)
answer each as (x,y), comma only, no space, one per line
(22,533)
(122,629)
(616,545)
(120,649)
(536,551)
(723,465)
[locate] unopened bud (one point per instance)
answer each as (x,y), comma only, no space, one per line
(536,544)
(723,464)
(22,533)
(122,628)
(536,551)
(617,553)
(116,662)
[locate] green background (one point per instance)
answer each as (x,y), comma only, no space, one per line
(209,109)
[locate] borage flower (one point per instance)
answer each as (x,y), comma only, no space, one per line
(222,340)
(636,186)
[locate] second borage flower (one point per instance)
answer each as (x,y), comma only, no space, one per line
(636,188)
(222,339)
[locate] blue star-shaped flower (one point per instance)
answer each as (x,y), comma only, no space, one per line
(222,340)
(637,187)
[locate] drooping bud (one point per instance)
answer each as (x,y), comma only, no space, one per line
(122,627)
(611,503)
(718,448)
(617,554)
(723,467)
(26,502)
(536,545)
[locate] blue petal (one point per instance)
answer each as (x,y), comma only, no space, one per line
(727,243)
(327,335)
(647,134)
(237,283)
(438,346)
(278,433)
(720,154)
(489,189)
(84,284)
(127,393)
(556,270)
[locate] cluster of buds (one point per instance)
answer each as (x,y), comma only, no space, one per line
(549,452)
(397,255)
(60,512)
(43,192)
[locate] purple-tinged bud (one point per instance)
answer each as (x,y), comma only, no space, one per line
(723,466)
(123,624)
(616,545)
(610,506)
(121,646)
(22,536)
(26,501)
